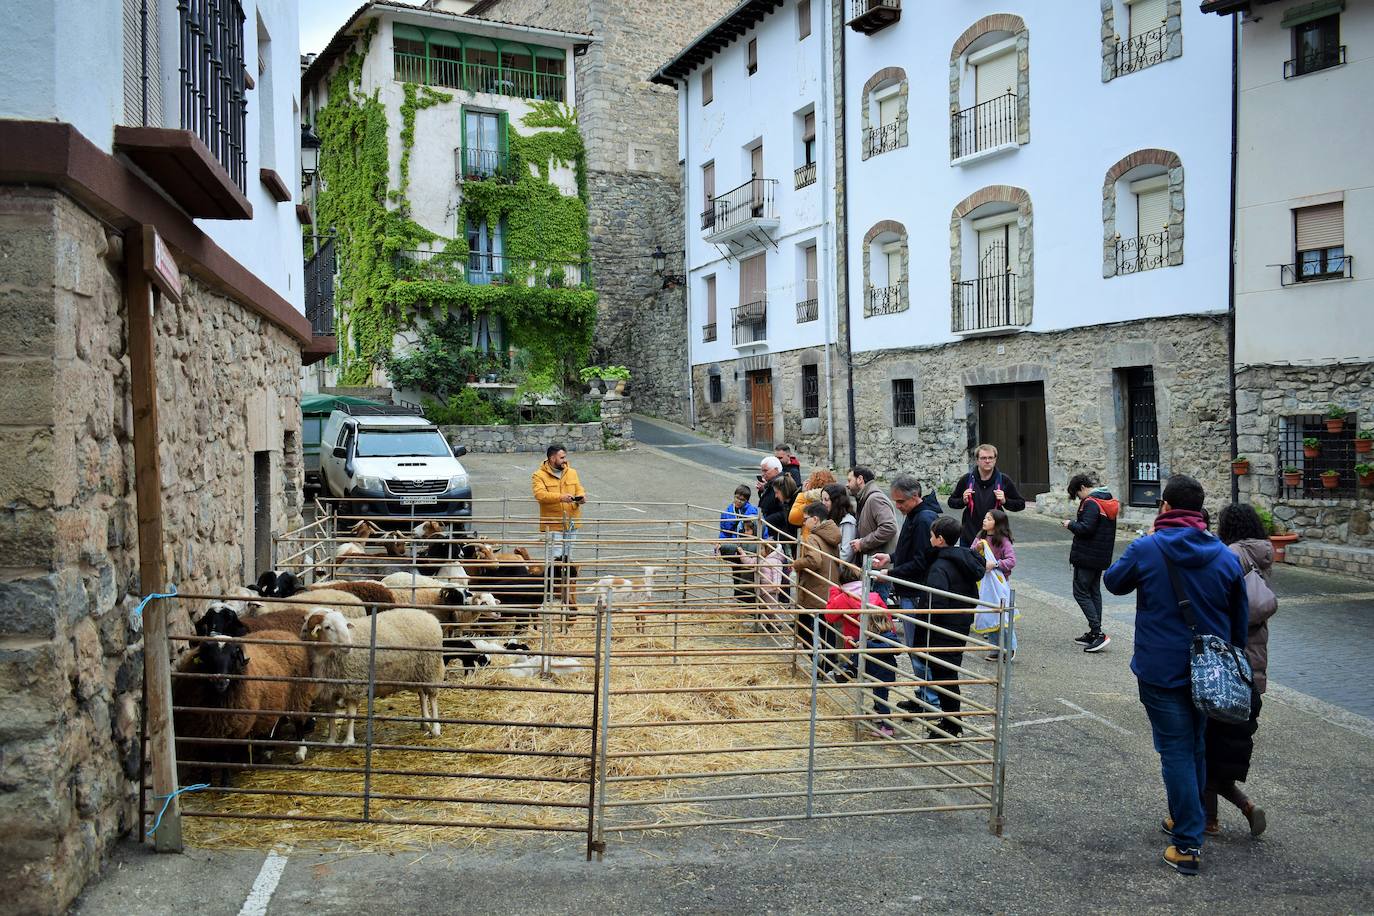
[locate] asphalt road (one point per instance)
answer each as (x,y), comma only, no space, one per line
(1083,793)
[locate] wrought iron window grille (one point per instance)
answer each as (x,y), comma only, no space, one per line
(1341,267)
(715,394)
(750,322)
(1311,63)
(804,175)
(807,310)
(1144,50)
(1336,452)
(885,300)
(903,402)
(811,392)
(320,269)
(985,126)
(881,139)
(214,104)
(1144,252)
(985,302)
(475,164)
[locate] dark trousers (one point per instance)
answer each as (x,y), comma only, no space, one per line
(941,664)
(881,668)
(1087,591)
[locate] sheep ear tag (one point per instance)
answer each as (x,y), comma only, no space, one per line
(316,630)
(350,626)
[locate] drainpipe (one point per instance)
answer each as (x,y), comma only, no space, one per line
(828,241)
(843,230)
(1231,279)
(143,58)
(686,247)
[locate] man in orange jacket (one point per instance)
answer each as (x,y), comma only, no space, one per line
(560,497)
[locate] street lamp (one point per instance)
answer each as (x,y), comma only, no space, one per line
(660,264)
(310,156)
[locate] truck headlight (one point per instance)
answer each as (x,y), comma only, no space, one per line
(373,484)
(458,483)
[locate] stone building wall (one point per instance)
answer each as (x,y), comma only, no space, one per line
(1085,404)
(1264,394)
(71,656)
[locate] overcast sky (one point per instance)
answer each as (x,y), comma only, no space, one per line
(320,19)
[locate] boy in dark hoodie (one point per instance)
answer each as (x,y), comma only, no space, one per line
(957,570)
(1094,539)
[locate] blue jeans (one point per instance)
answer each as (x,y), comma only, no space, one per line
(920,669)
(1179,733)
(876,668)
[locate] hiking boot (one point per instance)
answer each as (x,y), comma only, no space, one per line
(1184,861)
(1255,815)
(1211,828)
(1084,639)
(1098,643)
(910,706)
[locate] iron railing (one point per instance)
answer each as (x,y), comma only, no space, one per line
(885,300)
(985,126)
(213,102)
(869,16)
(708,332)
(880,139)
(751,322)
(804,175)
(319,289)
(1335,452)
(755,199)
(1145,252)
(473,77)
(483,268)
(1143,50)
(1338,268)
(808,310)
(473,164)
(1311,63)
(985,303)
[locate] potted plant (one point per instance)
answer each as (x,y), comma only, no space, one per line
(1311,447)
(1335,418)
(1364,440)
(1331,478)
(1365,473)
(1292,477)
(614,378)
(1240,465)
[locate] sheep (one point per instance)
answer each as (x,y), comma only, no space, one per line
(476,653)
(627,593)
(335,654)
(235,667)
(422,590)
(370,592)
(223,618)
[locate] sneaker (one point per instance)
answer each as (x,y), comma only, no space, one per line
(910,706)
(1184,861)
(1211,828)
(1099,642)
(1085,638)
(1167,826)
(993,657)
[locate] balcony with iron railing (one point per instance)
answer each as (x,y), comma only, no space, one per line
(804,175)
(1140,51)
(750,322)
(1311,62)
(1327,267)
(808,308)
(986,304)
(742,215)
(885,300)
(473,164)
(880,138)
(474,77)
(985,127)
(485,269)
(708,332)
(1144,252)
(319,289)
(869,16)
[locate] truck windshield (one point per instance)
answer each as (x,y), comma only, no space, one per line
(401,443)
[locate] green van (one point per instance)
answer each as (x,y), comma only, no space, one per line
(315,409)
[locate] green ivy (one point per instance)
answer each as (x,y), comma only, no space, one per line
(553,326)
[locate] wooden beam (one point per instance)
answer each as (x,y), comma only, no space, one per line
(152,569)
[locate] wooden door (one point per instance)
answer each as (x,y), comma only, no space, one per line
(1012,417)
(761,409)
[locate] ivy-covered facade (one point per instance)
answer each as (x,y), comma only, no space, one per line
(445,194)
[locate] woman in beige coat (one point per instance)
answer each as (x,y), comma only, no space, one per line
(817,565)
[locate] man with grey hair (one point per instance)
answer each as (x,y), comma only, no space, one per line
(909,561)
(769,470)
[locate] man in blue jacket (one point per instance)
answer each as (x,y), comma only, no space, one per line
(1211,578)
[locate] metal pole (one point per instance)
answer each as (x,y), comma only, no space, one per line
(545,637)
(605,651)
(861,665)
(371,698)
(999,766)
(595,755)
(811,726)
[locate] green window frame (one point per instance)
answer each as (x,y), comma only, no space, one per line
(477,63)
(477,160)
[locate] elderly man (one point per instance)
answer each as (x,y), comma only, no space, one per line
(771,509)
(909,561)
(790,463)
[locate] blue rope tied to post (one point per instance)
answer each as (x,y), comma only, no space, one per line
(194,788)
(138,611)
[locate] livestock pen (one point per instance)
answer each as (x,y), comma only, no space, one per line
(586,700)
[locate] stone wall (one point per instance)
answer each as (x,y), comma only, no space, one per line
(1264,394)
(1085,403)
(615,431)
(71,654)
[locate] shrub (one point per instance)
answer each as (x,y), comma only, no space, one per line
(466,408)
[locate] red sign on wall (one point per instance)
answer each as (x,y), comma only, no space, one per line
(160,266)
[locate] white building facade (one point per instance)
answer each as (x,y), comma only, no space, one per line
(756,138)
(1304,225)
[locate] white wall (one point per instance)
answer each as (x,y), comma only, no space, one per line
(1300,138)
(791,77)
(1079,128)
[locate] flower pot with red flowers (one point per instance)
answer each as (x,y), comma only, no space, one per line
(1335,418)
(1311,447)
(1240,465)
(1292,477)
(1364,440)
(1365,474)
(1331,479)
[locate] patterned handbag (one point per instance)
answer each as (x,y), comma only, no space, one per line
(1221,676)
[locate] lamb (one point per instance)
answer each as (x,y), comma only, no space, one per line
(476,653)
(627,592)
(234,667)
(334,653)
(506,656)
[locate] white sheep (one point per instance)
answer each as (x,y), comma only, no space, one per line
(340,652)
(423,590)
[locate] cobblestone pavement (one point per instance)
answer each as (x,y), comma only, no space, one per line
(1083,797)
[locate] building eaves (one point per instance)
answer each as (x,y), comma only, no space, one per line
(705,46)
(346,35)
(1227,7)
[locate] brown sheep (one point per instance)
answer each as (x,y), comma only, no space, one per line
(369,592)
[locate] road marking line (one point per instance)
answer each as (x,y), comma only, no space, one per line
(1048,721)
(1092,715)
(265,886)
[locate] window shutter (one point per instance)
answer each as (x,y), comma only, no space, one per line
(501,135)
(1146,16)
(753,280)
(996,77)
(708,91)
(894,267)
(889,109)
(803,19)
(753,54)
(811,274)
(711,300)
(756,161)
(809,127)
(1319,227)
(708,181)
(1152,211)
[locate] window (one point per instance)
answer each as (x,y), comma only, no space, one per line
(708,331)
(484,144)
(1152,30)
(811,392)
(1316,45)
(715,396)
(1142,213)
(708,194)
(884,112)
(213,106)
(1145,16)
(751,58)
(885,254)
(809,138)
(1142,441)
(708,90)
(751,315)
(991,250)
(486,263)
(1335,452)
(267,146)
(807,300)
(803,19)
(1319,235)
(989,88)
(903,402)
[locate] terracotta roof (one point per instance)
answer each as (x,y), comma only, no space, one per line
(702,48)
